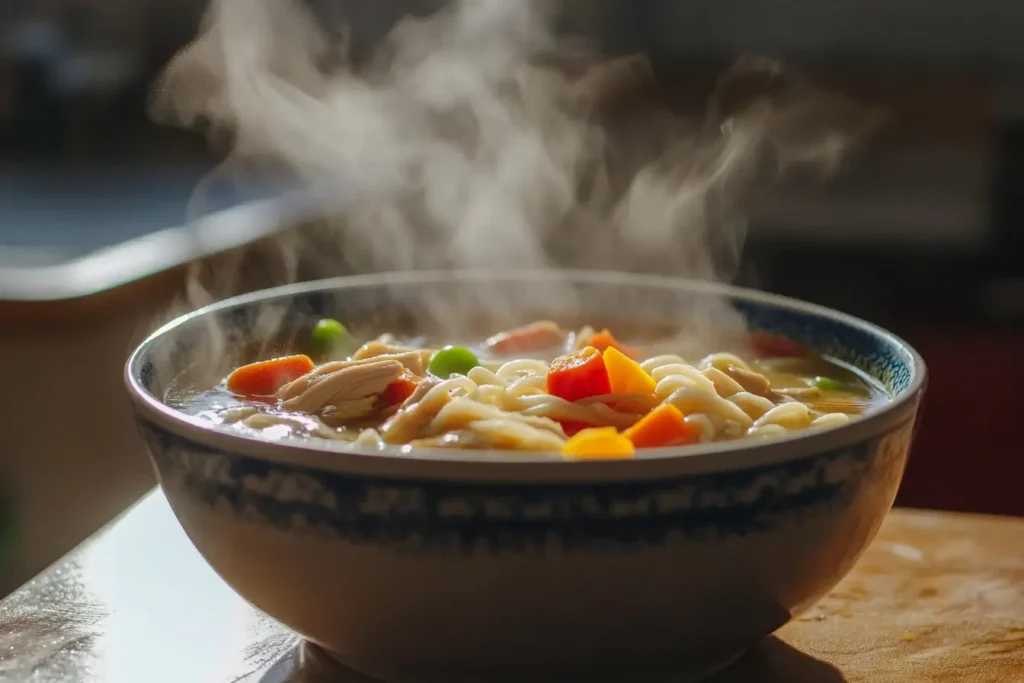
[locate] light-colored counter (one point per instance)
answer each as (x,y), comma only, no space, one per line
(70,457)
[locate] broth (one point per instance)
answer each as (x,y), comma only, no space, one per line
(575,394)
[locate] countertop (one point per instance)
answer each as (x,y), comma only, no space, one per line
(937,598)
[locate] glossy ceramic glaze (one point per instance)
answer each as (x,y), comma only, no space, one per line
(449,565)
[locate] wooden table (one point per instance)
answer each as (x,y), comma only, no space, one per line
(938,598)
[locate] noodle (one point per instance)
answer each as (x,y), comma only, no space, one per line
(511,404)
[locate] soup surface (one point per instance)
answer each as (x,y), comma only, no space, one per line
(569,394)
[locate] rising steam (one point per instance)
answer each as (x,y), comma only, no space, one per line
(473,137)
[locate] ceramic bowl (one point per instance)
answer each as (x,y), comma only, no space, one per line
(443,565)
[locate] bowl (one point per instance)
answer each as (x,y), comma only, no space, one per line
(439,565)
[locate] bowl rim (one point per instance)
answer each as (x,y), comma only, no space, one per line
(460,464)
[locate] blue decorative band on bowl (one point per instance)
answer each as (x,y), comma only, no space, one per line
(417,515)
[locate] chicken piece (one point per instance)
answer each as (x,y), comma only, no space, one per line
(753,382)
(410,362)
(415,360)
(297,386)
(347,392)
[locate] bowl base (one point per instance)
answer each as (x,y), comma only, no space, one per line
(342,672)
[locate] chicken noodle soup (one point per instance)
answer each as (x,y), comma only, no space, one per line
(582,394)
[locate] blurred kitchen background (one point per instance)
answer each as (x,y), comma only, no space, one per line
(922,235)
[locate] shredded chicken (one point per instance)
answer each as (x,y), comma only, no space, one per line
(347,391)
(415,360)
(298,386)
(753,382)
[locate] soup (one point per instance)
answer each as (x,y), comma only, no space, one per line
(578,394)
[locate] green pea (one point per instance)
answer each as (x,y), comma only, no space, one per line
(452,360)
(326,336)
(827,384)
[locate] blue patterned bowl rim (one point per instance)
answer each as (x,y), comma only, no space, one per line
(497,465)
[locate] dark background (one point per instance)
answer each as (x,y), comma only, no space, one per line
(922,235)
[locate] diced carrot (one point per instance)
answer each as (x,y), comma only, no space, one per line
(267,376)
(573,427)
(599,443)
(774,346)
(532,337)
(625,375)
(577,375)
(606,340)
(399,390)
(663,426)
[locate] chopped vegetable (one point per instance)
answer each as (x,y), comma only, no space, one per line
(663,426)
(625,375)
(266,377)
(399,390)
(605,340)
(539,335)
(326,336)
(578,375)
(452,360)
(827,384)
(599,443)
(573,427)
(774,346)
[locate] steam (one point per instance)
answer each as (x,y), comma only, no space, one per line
(474,137)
